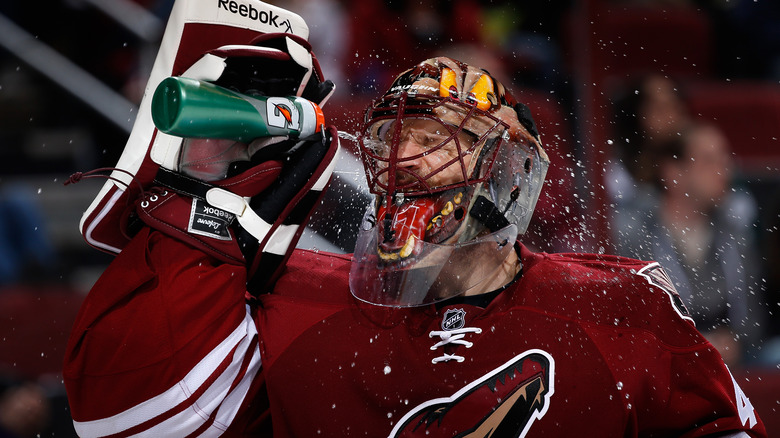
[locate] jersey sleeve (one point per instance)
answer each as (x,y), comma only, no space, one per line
(673,382)
(703,398)
(164,345)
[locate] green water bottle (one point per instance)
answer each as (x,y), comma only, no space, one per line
(192,108)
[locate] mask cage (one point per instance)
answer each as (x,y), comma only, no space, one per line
(381,169)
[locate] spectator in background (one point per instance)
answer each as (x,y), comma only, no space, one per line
(649,112)
(701,230)
(25,411)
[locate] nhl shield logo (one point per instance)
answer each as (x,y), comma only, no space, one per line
(453,319)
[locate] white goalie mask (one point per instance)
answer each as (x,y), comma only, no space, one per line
(457,167)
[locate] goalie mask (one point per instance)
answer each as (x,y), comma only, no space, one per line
(457,167)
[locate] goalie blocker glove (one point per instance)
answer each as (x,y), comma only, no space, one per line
(253,217)
(143,187)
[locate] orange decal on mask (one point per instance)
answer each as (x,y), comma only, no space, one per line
(480,92)
(448,86)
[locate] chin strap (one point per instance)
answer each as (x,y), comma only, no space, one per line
(486,212)
(525,118)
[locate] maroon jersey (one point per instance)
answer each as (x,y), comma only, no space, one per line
(579,345)
(165,345)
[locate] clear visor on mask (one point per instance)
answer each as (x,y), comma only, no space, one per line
(432,273)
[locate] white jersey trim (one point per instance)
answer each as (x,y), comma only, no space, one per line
(223,395)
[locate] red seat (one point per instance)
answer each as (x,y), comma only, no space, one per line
(626,41)
(347,115)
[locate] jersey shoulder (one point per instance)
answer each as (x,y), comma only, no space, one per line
(316,275)
(607,290)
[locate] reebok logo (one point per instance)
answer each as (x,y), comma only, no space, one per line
(249,11)
(208,221)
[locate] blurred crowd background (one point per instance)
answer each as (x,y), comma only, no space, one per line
(661,118)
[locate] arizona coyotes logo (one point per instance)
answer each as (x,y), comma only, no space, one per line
(501,404)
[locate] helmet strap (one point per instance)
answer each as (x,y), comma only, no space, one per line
(525,118)
(486,212)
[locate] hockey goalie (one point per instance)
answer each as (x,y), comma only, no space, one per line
(441,324)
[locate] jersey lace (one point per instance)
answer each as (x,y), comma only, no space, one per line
(454,337)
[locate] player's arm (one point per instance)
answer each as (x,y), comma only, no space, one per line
(704,392)
(674,381)
(165,343)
